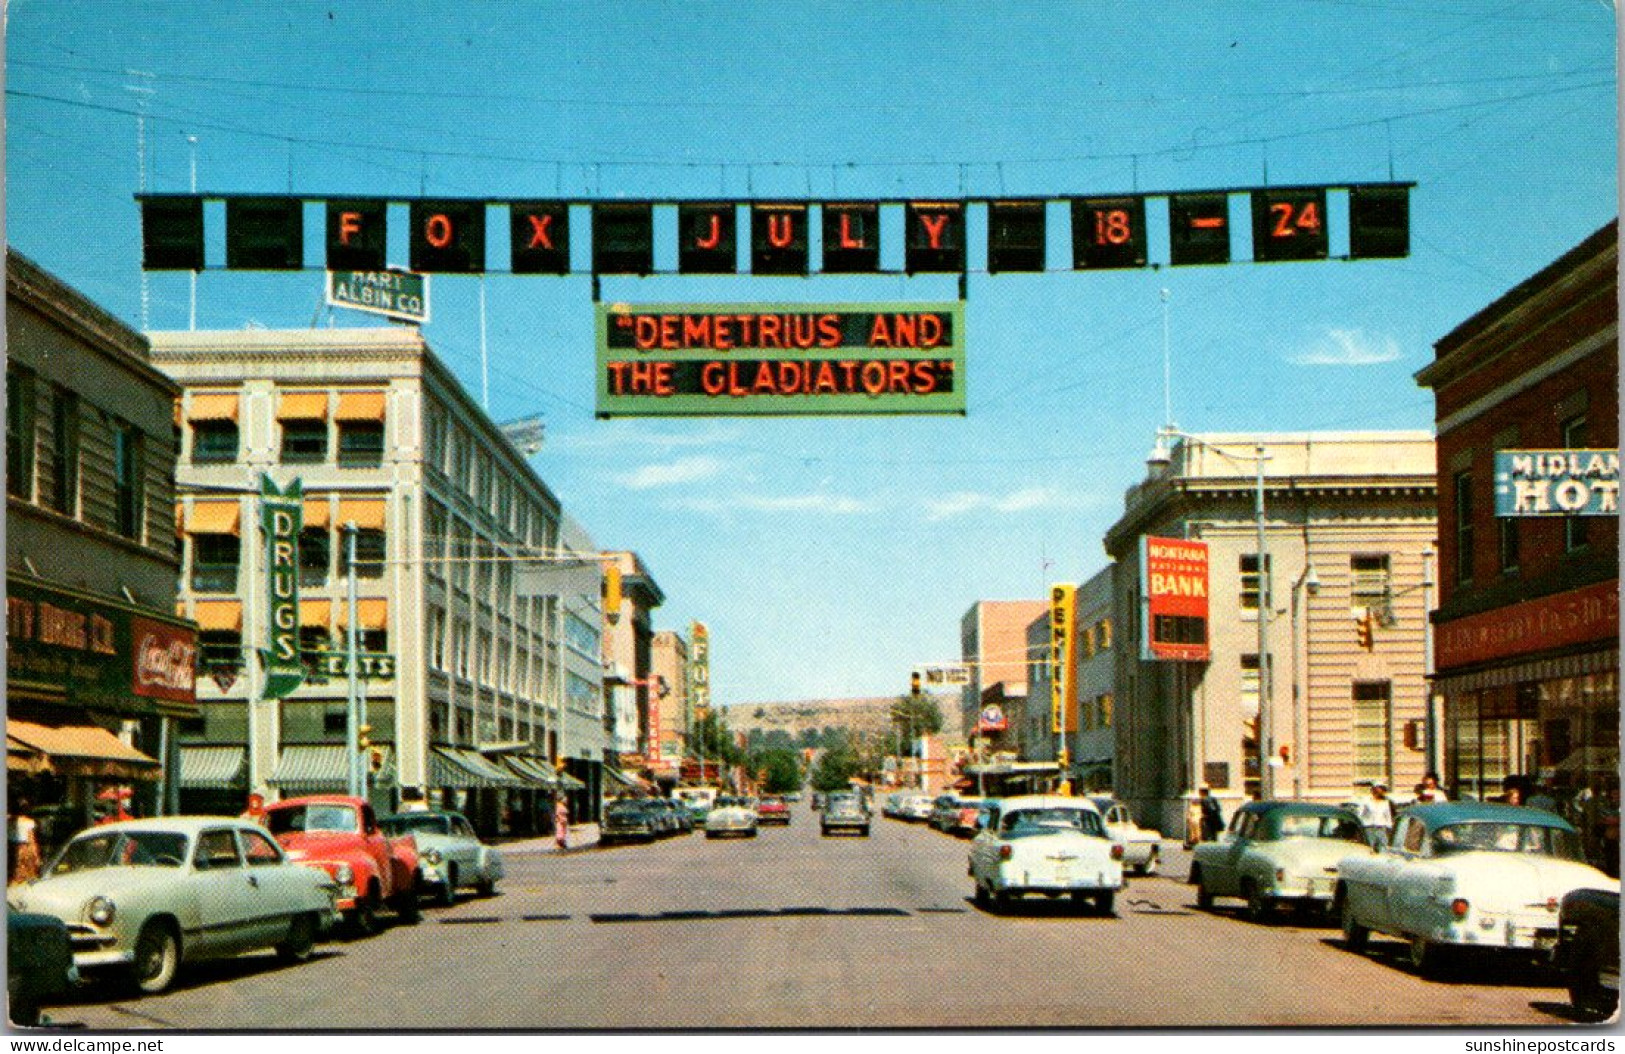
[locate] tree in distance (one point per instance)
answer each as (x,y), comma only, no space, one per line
(781,771)
(835,767)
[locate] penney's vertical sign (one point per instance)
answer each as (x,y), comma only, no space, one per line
(1063,633)
(282,514)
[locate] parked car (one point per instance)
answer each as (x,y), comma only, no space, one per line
(844,812)
(773,809)
(450,854)
(1142,846)
(148,895)
(818,799)
(682,822)
(944,807)
(1465,874)
(732,816)
(340,836)
(966,818)
(628,820)
(1276,852)
(916,807)
(1046,844)
(39,964)
(1588,950)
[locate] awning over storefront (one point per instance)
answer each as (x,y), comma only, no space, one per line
(617,776)
(531,770)
(1536,670)
(457,767)
(74,750)
(321,768)
(214,768)
(570,783)
(1013,768)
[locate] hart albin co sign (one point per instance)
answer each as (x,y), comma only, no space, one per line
(780,359)
(282,515)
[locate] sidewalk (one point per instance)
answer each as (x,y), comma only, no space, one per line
(582,836)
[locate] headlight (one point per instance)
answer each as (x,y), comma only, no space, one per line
(100,910)
(433,856)
(344,874)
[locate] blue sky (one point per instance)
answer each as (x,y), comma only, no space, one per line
(829,555)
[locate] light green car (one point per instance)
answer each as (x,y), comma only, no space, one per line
(1277,852)
(148,895)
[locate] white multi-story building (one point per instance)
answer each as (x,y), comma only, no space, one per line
(475,710)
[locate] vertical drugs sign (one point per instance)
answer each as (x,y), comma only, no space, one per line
(281,517)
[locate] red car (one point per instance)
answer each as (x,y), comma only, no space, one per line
(340,835)
(773,810)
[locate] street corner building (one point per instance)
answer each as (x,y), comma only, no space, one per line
(473,694)
(1337,696)
(1527,629)
(99,670)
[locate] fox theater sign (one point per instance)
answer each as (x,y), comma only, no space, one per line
(665,360)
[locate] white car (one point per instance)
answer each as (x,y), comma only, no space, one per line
(450,854)
(1465,875)
(1142,852)
(1055,846)
(148,895)
(732,815)
(916,807)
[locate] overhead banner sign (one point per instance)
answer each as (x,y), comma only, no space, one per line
(1174,590)
(398,294)
(1557,483)
(282,515)
(672,360)
(1063,631)
(945,676)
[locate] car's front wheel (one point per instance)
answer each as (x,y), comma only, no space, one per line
(447,893)
(157,958)
(1258,905)
(1204,899)
(1354,934)
(301,940)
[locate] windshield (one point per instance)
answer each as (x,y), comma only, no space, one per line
(1035,821)
(397,825)
(1338,828)
(313,817)
(121,849)
(1532,839)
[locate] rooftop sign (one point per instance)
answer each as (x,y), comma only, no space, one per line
(398,294)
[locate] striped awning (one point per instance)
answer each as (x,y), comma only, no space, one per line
(214,768)
(322,768)
(457,767)
(531,770)
(570,783)
(74,750)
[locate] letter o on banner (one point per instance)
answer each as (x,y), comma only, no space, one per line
(448,237)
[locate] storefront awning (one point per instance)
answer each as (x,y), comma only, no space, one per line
(322,768)
(617,776)
(75,750)
(214,768)
(570,783)
(456,767)
(531,770)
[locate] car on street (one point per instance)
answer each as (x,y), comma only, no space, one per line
(1462,875)
(944,810)
(844,812)
(1588,951)
(628,820)
(1049,845)
(915,807)
(1142,846)
(773,809)
(39,964)
(145,896)
(339,835)
(818,798)
(966,819)
(450,854)
(1276,853)
(732,815)
(682,819)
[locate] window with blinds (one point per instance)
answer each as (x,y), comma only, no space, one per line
(1370,586)
(1373,736)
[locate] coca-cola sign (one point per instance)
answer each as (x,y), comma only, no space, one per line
(165,660)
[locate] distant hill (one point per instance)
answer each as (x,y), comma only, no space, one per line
(863,714)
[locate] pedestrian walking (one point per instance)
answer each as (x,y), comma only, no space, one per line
(561,823)
(1376,814)
(24,842)
(1212,814)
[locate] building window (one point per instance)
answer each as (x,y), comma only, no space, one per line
(315,639)
(1250,580)
(129,498)
(336,721)
(1248,690)
(214,562)
(369,552)
(65,447)
(304,441)
(214,442)
(373,640)
(1373,739)
(1370,583)
(1106,711)
(1575,437)
(437,639)
(1464,526)
(1508,528)
(315,556)
(1105,631)
(19,432)
(361,444)
(220,649)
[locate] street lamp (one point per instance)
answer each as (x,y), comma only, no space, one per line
(1309,584)
(1160,453)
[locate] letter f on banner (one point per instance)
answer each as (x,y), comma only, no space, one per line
(282,515)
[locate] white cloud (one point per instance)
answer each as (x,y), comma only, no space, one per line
(673,473)
(957,503)
(1348,347)
(835,504)
(617,437)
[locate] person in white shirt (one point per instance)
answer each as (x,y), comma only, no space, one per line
(1377,816)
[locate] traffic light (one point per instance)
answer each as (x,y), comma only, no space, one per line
(1286,753)
(914,683)
(364,736)
(612,593)
(375,759)
(1363,630)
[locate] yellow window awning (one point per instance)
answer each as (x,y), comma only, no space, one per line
(75,750)
(212,406)
(302,406)
(215,517)
(218,614)
(366,513)
(360,406)
(317,513)
(370,612)
(315,612)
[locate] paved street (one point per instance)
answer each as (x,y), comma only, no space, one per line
(790,929)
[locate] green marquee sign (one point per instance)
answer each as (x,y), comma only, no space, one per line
(672,360)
